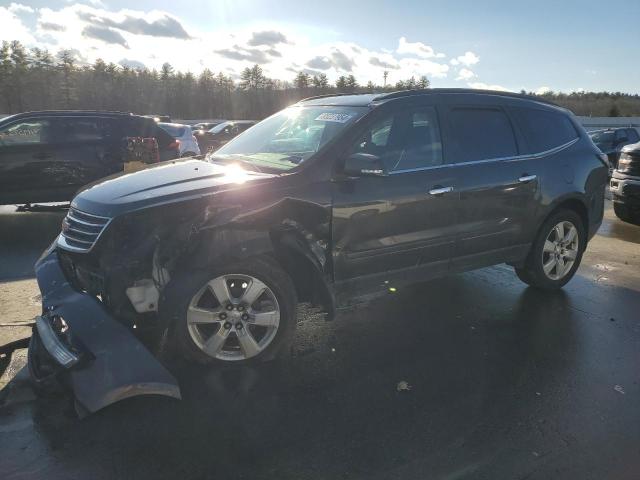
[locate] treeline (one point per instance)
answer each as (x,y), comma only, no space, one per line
(34,79)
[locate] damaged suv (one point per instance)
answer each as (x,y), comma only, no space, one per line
(330,201)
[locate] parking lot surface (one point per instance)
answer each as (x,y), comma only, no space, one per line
(472,376)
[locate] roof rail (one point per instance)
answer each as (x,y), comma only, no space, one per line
(410,93)
(327,95)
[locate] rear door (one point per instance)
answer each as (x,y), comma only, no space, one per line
(87,148)
(497,192)
(402,224)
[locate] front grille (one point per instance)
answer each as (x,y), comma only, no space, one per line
(80,230)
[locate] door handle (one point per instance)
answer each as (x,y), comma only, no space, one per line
(42,155)
(527,178)
(440,190)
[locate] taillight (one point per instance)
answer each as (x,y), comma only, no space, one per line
(175,145)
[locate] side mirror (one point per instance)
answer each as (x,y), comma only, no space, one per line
(364,165)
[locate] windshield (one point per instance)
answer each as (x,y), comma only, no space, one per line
(603,137)
(289,137)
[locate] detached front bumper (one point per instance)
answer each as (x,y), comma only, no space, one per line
(98,357)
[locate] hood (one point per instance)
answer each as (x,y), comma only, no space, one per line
(162,183)
(633,148)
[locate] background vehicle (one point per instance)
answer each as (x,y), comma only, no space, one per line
(611,141)
(47,156)
(625,185)
(221,134)
(184,135)
(206,125)
(330,201)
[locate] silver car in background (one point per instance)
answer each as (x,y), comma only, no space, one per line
(184,135)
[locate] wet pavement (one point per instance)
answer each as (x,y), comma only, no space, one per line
(502,381)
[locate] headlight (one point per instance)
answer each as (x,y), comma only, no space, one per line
(624,163)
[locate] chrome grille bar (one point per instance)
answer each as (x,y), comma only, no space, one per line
(81,230)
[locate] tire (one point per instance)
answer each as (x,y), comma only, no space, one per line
(533,271)
(625,214)
(191,293)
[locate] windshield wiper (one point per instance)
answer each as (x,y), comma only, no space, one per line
(234,158)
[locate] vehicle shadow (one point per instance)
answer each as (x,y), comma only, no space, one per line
(23,237)
(469,347)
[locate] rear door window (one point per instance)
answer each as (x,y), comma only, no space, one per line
(633,136)
(69,130)
(481,133)
(544,129)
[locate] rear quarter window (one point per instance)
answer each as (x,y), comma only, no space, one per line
(543,129)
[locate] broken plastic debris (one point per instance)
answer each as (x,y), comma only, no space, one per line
(619,389)
(403,386)
(392,289)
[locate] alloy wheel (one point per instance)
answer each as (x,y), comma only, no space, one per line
(560,250)
(233,317)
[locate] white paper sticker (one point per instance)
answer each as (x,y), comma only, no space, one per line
(334,117)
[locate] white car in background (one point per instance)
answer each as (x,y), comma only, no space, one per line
(184,135)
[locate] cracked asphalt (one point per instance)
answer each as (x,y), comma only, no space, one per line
(501,381)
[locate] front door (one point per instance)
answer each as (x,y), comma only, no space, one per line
(26,155)
(401,224)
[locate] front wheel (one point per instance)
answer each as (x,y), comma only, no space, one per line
(242,312)
(556,252)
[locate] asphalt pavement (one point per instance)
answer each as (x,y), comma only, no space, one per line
(474,376)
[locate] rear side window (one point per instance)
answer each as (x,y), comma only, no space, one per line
(633,135)
(543,129)
(481,134)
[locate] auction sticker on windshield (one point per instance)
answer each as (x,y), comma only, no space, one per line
(334,117)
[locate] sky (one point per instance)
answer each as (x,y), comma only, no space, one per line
(559,45)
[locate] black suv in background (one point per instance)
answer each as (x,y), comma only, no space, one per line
(625,185)
(612,140)
(332,201)
(48,156)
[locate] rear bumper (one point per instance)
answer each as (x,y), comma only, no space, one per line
(99,358)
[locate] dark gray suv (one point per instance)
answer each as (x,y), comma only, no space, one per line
(331,201)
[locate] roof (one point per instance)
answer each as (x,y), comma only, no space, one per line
(366,99)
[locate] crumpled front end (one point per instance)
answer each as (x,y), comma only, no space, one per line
(78,339)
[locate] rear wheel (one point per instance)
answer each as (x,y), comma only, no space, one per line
(242,312)
(556,253)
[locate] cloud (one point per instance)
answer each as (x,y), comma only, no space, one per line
(418,49)
(273,52)
(12,27)
(543,90)
(18,8)
(378,62)
(320,63)
(485,86)
(341,61)
(465,74)
(54,27)
(162,25)
(104,34)
(237,52)
(268,37)
(468,59)
(135,64)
